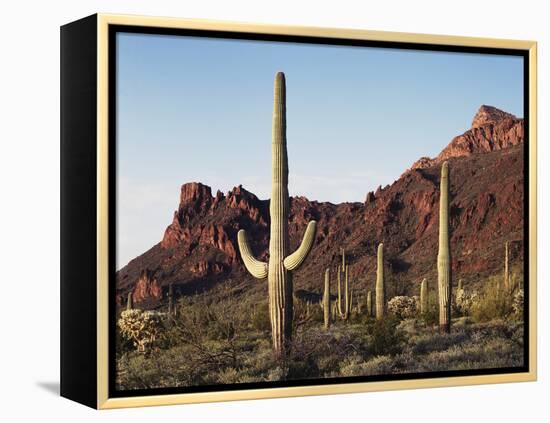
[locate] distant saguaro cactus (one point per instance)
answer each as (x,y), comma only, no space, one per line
(326,299)
(380,286)
(424,296)
(444,277)
(279,269)
(170,299)
(130,301)
(507,287)
(344,304)
(369,304)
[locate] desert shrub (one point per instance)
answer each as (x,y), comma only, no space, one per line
(410,327)
(355,365)
(490,352)
(275,374)
(403,307)
(328,364)
(492,303)
(260,317)
(380,365)
(142,328)
(386,338)
(517,303)
(228,376)
(430,317)
(428,343)
(316,313)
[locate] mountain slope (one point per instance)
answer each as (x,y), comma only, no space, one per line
(199,247)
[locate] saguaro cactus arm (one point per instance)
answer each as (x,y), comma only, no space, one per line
(294,260)
(257,268)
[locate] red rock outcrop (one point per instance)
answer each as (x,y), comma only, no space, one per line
(147,287)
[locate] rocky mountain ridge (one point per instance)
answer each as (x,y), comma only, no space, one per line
(199,248)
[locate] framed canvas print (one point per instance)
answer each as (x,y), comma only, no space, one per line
(254,211)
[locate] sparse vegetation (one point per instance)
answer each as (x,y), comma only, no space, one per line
(223,337)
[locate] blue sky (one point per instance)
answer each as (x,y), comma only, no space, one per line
(199,109)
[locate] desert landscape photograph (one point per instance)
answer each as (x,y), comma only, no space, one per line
(303,212)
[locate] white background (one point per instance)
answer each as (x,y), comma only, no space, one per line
(29,211)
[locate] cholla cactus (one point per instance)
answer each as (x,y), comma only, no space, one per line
(517,303)
(424,296)
(143,328)
(380,286)
(444,256)
(464,301)
(326,299)
(281,264)
(403,307)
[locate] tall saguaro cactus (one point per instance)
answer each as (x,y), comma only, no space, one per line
(424,296)
(444,256)
(326,299)
(507,287)
(281,264)
(380,286)
(344,304)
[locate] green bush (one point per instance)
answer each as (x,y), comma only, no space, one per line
(386,338)
(260,317)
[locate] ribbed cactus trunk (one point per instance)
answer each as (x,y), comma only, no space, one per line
(506,269)
(279,278)
(369,304)
(280,266)
(130,302)
(326,299)
(380,286)
(424,296)
(444,256)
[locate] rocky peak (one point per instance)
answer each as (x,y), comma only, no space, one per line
(195,192)
(492,129)
(489,114)
(240,198)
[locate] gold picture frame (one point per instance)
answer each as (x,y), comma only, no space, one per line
(100,26)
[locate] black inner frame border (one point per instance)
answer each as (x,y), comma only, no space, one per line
(113,30)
